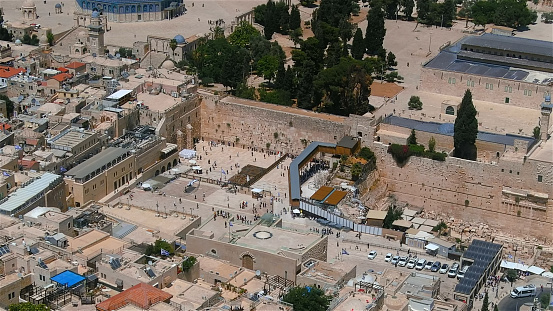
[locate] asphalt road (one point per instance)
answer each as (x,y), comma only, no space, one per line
(511,304)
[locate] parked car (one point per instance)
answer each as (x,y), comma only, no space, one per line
(428,265)
(436,266)
(395,259)
(444,268)
(388,257)
(461,274)
(420,264)
(453,271)
(372,255)
(411,264)
(402,261)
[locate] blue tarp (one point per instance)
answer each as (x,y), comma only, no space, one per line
(68,278)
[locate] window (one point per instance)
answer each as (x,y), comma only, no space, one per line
(510,171)
(540,178)
(506,100)
(502,170)
(451,81)
(11,295)
(528,92)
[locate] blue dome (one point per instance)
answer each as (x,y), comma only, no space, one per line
(95,14)
(180,39)
(58,6)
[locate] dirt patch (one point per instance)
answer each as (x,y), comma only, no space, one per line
(385,89)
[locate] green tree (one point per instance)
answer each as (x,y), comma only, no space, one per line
(295,18)
(412,139)
(34,40)
(367,154)
(415,103)
(173,46)
(440,227)
(423,9)
(394,213)
(344,89)
(537,132)
(50,37)
(27,306)
(511,275)
(307,299)
(26,39)
(485,302)
(391,7)
(358,45)
(242,35)
(10,107)
(189,263)
(466,129)
(391,60)
(547,17)
(268,66)
(408,7)
(432,144)
(155,250)
(295,36)
(376,30)
(495,308)
(307,3)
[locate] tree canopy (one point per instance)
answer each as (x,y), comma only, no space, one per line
(243,34)
(376,30)
(466,129)
(509,13)
(27,306)
(358,45)
(10,107)
(394,213)
(307,299)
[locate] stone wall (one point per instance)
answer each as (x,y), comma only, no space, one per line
(473,191)
(520,94)
(254,124)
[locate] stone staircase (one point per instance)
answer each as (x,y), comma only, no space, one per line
(131,228)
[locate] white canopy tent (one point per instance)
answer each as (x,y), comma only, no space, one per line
(536,270)
(187,153)
(257,190)
(432,247)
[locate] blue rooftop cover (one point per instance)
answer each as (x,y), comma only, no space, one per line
(180,39)
(95,14)
(68,278)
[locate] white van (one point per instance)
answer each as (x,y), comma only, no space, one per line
(524,291)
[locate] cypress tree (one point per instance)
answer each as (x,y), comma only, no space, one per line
(374,36)
(358,45)
(466,129)
(295,19)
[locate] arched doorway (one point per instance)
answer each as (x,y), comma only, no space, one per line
(175,162)
(450,110)
(169,166)
(163,169)
(247,261)
(157,172)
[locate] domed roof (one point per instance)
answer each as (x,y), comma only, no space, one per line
(82,35)
(28,4)
(43,39)
(18,41)
(168,64)
(180,39)
(57,6)
(95,14)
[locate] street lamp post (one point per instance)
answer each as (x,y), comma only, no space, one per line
(516,249)
(430,43)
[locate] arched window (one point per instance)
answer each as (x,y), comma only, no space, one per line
(450,110)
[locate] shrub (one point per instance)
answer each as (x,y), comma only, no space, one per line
(415,103)
(401,153)
(188,263)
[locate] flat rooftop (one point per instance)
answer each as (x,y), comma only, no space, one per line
(21,196)
(416,284)
(69,138)
(448,59)
(183,292)
(544,152)
(514,44)
(96,162)
(448,130)
(279,239)
(159,102)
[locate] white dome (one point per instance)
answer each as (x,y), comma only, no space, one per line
(168,64)
(82,35)
(29,4)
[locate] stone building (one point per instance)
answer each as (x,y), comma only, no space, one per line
(500,69)
(29,10)
(265,247)
(122,11)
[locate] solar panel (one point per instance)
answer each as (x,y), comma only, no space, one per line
(150,272)
(42,264)
(4,250)
(115,263)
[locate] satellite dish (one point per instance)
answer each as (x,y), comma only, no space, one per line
(117,55)
(149,262)
(257,273)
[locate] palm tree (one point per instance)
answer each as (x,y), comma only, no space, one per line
(173,46)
